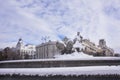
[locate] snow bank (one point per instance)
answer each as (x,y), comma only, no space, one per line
(74,55)
(91,70)
(66,57)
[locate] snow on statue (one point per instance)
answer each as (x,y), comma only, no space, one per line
(69,46)
(85,46)
(78,42)
(65,47)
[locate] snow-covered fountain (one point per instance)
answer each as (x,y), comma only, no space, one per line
(78,60)
(74,53)
(81,48)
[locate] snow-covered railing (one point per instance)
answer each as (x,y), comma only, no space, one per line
(42,63)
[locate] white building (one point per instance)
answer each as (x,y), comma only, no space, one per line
(26,51)
(46,50)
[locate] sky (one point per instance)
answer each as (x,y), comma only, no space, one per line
(32,20)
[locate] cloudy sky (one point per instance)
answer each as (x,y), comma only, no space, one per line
(33,19)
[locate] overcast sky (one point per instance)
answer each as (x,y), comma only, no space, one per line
(33,19)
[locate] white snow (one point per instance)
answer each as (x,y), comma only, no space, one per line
(91,70)
(65,58)
(74,55)
(86,70)
(77,44)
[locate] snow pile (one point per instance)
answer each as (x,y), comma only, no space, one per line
(91,70)
(74,55)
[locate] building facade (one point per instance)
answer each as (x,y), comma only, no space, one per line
(25,51)
(107,50)
(47,50)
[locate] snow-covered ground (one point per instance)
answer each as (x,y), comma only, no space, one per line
(74,55)
(66,57)
(86,70)
(91,70)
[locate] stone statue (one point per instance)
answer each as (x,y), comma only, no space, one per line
(60,47)
(78,42)
(66,46)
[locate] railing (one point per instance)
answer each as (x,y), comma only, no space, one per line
(46,63)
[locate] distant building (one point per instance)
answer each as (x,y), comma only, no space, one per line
(106,50)
(102,43)
(26,51)
(46,50)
